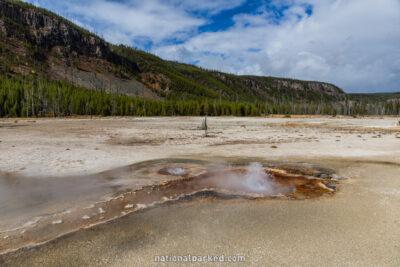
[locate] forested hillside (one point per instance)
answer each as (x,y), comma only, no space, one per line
(51,67)
(30,96)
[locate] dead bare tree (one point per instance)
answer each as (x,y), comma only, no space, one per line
(40,99)
(32,104)
(204,126)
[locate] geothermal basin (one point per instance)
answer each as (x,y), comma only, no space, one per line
(168,181)
(119,191)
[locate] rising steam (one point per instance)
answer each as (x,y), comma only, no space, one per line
(253,180)
(256,179)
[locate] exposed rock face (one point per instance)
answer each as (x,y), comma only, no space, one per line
(251,83)
(49,31)
(312,86)
(3,30)
(271,83)
(277,83)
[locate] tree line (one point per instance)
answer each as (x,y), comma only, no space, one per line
(30,96)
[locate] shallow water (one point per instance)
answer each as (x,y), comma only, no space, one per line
(67,204)
(25,199)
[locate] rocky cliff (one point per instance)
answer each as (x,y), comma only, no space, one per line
(48,30)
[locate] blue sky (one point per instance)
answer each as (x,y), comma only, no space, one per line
(354,44)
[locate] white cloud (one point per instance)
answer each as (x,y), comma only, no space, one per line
(352,43)
(146,21)
(211,6)
(130,20)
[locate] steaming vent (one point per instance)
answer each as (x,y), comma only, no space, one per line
(253,180)
(175,171)
(257,180)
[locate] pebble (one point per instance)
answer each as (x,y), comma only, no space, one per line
(337,177)
(141,206)
(128,206)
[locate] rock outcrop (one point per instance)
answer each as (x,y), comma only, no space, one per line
(47,31)
(311,86)
(3,30)
(272,83)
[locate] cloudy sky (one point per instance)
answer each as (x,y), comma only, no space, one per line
(354,44)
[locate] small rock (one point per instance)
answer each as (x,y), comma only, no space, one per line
(89,207)
(337,177)
(331,185)
(57,222)
(128,206)
(140,206)
(85,217)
